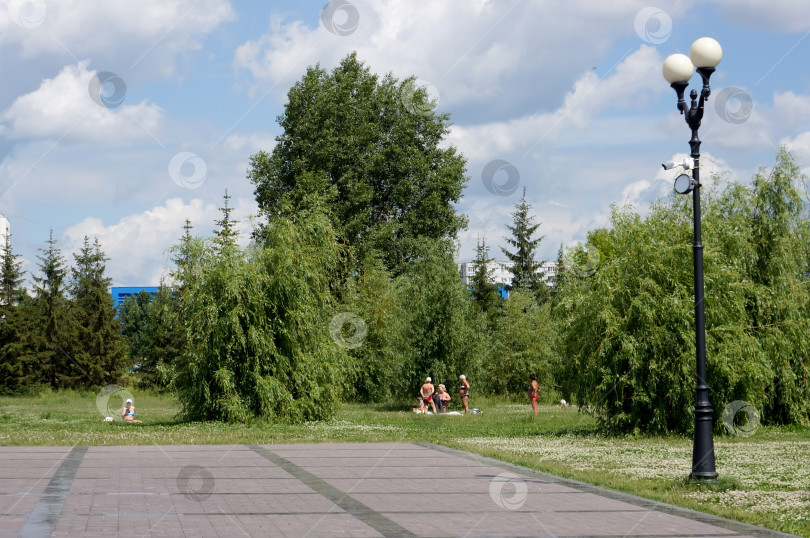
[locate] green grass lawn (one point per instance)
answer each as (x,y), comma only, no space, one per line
(764,478)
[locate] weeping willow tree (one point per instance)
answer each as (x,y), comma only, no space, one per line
(257,326)
(626,329)
(522,344)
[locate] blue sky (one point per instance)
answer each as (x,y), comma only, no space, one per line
(568,93)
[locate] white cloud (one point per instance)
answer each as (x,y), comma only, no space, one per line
(800,147)
(138,245)
(590,95)
(250,143)
(143,36)
(510,55)
(62,109)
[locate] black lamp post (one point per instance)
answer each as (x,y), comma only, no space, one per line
(705,54)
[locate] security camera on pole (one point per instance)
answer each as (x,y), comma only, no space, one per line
(704,55)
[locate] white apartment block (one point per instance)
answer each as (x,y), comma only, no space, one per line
(499,272)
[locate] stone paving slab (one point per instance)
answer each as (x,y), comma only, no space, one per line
(381,489)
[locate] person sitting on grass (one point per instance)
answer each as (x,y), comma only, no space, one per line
(444,398)
(128,413)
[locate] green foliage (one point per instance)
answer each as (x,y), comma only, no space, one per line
(153,333)
(446,332)
(525,273)
(522,343)
(99,350)
(11,273)
(256,327)
(484,292)
(59,341)
(51,331)
(627,330)
(374,307)
(360,145)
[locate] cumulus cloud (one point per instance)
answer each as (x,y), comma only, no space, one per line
(507,54)
(629,83)
(62,108)
(250,143)
(144,36)
(138,245)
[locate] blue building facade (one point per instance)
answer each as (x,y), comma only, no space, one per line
(120,293)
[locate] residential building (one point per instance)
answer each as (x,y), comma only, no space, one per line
(499,272)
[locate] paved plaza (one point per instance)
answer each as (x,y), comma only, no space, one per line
(390,489)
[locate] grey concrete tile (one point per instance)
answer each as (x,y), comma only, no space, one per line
(334,490)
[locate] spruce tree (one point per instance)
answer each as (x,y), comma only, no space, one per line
(11,274)
(226,234)
(48,343)
(525,270)
(484,291)
(186,255)
(99,350)
(14,374)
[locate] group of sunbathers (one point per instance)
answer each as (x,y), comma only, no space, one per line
(440,401)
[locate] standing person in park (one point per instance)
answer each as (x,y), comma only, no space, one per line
(426,392)
(534,392)
(464,392)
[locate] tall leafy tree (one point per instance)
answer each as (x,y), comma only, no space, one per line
(525,269)
(373,327)
(446,333)
(256,326)
(369,147)
(627,329)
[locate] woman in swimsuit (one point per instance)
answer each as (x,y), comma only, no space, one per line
(444,398)
(128,412)
(464,392)
(534,392)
